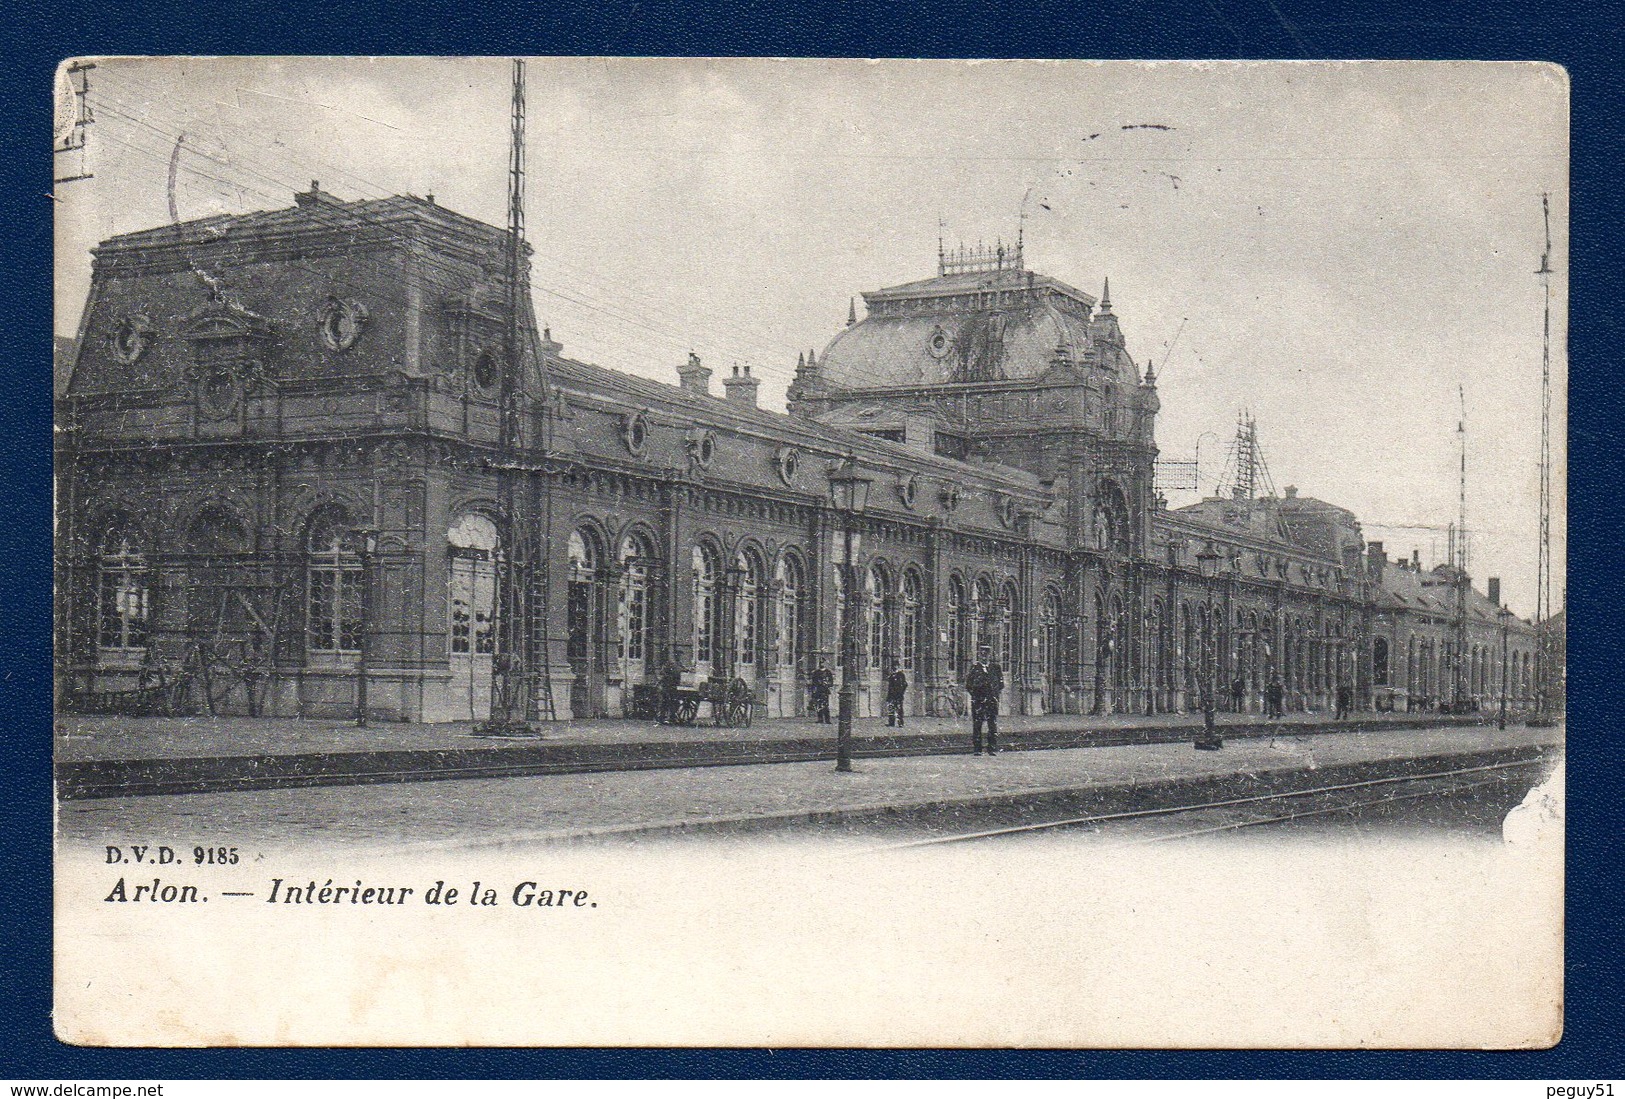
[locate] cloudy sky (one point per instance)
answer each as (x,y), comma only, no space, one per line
(1345,244)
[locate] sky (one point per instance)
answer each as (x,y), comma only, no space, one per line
(1341,248)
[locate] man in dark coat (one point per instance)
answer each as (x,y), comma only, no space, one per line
(670,680)
(984,683)
(1274,697)
(818,688)
(1238,694)
(896,689)
(1345,699)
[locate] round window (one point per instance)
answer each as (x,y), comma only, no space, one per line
(939,344)
(908,490)
(635,433)
(340,323)
(485,369)
(702,447)
(131,338)
(788,462)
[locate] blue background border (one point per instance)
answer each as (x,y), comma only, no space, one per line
(1582,37)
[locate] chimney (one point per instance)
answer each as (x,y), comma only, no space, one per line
(314,195)
(1376,559)
(1292,492)
(1495,590)
(694,377)
(1416,560)
(741,388)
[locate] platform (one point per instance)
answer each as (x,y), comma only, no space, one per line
(758,798)
(112,756)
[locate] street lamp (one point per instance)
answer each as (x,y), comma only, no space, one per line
(1506,627)
(366,543)
(849,494)
(1208,740)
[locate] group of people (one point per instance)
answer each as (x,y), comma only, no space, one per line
(984,682)
(1275,698)
(823,682)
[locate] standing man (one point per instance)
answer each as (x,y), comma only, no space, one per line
(818,688)
(1238,694)
(1345,698)
(896,689)
(670,679)
(1274,696)
(984,683)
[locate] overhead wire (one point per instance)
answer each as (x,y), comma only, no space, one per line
(260,168)
(452,278)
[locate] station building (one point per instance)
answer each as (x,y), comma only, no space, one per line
(280,467)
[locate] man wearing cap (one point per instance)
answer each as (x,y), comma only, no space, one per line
(985,683)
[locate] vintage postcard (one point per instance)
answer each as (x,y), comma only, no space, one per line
(657,552)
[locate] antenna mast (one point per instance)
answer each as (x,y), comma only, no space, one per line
(1543,570)
(516,677)
(1459,558)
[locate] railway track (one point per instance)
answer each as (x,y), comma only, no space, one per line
(1263,810)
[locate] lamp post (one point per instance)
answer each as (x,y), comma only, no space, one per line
(1506,627)
(1208,740)
(849,493)
(366,542)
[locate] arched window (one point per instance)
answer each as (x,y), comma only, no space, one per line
(1009,643)
(122,595)
(703,565)
(788,575)
(909,624)
(1379,662)
(838,589)
(747,607)
(1049,623)
(1102,636)
(580,599)
(981,615)
(632,607)
(1111,519)
(877,590)
(955,626)
(334,579)
(472,550)
(1252,641)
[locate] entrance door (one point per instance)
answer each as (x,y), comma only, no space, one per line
(471,608)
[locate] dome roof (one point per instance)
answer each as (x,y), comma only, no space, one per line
(961,327)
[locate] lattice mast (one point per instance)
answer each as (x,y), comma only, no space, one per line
(1459,557)
(515,676)
(1246,475)
(1543,568)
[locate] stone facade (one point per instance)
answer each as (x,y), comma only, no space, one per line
(279,465)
